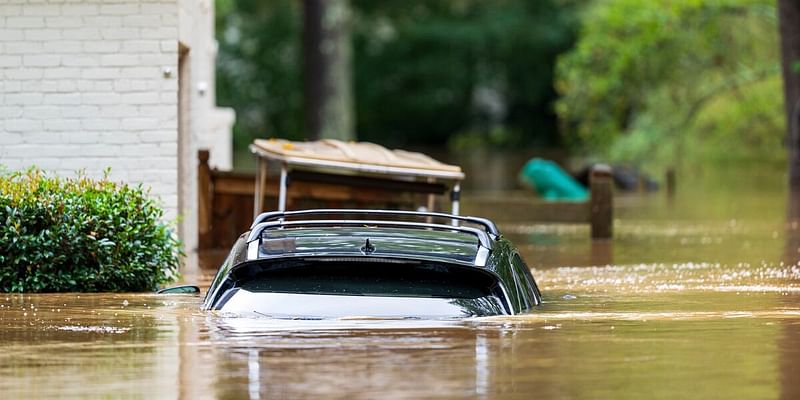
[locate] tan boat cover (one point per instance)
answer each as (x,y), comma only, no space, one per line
(352,152)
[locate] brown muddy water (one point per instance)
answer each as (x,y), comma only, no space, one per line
(697,297)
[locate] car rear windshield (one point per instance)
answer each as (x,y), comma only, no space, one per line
(370,278)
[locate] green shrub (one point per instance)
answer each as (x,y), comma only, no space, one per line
(81,235)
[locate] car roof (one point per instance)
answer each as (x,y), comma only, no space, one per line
(373,233)
(360,238)
(488,225)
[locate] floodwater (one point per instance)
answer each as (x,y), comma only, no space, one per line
(697,297)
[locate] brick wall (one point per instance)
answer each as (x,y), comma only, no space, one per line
(84,85)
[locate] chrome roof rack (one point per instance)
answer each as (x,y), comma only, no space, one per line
(488,226)
(260,227)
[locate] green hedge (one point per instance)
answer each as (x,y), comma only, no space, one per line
(81,235)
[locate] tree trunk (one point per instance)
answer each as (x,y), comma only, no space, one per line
(327,53)
(789,22)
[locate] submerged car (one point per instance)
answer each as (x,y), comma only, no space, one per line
(332,263)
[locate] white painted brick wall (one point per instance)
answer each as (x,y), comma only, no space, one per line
(82,88)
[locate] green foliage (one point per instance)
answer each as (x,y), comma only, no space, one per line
(423,71)
(474,68)
(668,80)
(81,235)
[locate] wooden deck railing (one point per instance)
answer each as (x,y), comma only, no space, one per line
(225,207)
(521,206)
(225,204)
(598,211)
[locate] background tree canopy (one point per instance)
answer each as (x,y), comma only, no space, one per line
(426,72)
(673,79)
(635,81)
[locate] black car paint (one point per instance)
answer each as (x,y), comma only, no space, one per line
(516,285)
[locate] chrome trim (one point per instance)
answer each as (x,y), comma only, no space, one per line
(505,294)
(402,258)
(255,233)
(489,226)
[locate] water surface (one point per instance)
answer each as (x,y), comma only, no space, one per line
(697,297)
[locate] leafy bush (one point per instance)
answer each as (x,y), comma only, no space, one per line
(81,235)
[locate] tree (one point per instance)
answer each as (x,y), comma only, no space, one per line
(673,79)
(327,71)
(423,71)
(789,22)
(431,71)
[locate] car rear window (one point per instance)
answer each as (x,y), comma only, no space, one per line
(361,278)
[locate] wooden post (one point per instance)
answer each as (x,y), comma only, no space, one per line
(205,200)
(789,29)
(602,252)
(670,182)
(601,202)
